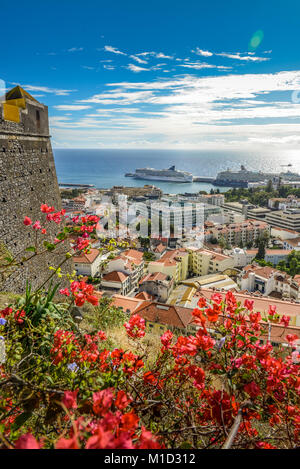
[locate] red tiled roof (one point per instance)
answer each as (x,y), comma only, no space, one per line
(126,302)
(144,296)
(87,258)
(160,248)
(153,277)
(115,276)
(174,316)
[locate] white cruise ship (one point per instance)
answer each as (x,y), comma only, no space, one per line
(171,174)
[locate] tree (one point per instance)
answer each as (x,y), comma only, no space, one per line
(261,250)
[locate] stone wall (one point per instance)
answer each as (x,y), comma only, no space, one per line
(27,179)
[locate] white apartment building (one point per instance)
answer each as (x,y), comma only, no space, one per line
(289,219)
(88,264)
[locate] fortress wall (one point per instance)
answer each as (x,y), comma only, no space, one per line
(27,179)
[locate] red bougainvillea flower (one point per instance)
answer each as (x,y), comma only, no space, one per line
(102,401)
(272,310)
(202,302)
(64,291)
(147,440)
(291,338)
(285,320)
(46,209)
(166,339)
(212,314)
(70,399)
(122,400)
(6,312)
(135,327)
(252,389)
(249,304)
(150,378)
(67,443)
(37,225)
(129,421)
(27,221)
(19,315)
(27,441)
(44,231)
(217,298)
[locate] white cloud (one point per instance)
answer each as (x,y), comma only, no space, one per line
(204,53)
(137,69)
(247,58)
(71,107)
(114,50)
(201,65)
(188,111)
(75,49)
(138,59)
(160,55)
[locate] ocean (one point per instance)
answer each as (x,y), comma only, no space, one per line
(106,168)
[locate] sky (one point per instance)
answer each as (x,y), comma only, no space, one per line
(168,74)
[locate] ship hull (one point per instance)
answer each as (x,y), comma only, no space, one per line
(163,178)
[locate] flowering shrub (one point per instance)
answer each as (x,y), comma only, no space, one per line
(218,384)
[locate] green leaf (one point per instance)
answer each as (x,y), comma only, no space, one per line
(31,249)
(20,420)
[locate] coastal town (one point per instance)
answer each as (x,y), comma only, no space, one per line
(150,230)
(251,250)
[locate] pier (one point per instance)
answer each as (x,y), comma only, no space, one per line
(61,184)
(203,179)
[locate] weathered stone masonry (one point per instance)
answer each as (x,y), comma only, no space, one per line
(27,179)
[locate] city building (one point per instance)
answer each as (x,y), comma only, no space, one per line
(266,280)
(204,262)
(174,264)
(158,285)
(88,263)
(236,234)
(118,281)
(129,262)
(290,219)
(244,257)
(160,317)
(293,244)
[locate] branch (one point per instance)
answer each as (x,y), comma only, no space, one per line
(236,425)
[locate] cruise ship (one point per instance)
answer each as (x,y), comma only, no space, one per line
(170,175)
(243,176)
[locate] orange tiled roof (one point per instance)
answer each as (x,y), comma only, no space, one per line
(87,258)
(126,302)
(174,316)
(153,277)
(115,276)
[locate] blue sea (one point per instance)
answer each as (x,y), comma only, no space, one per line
(106,168)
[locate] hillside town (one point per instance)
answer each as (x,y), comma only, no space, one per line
(248,249)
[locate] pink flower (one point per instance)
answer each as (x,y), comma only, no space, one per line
(46,209)
(249,304)
(291,338)
(135,327)
(217,298)
(285,320)
(27,221)
(37,225)
(64,291)
(27,442)
(69,399)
